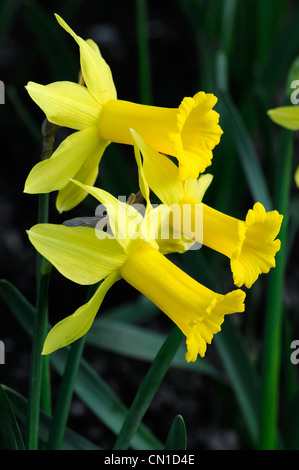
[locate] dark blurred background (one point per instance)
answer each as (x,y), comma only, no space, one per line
(34,47)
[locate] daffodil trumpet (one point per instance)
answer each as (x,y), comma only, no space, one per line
(87,256)
(189,132)
(251,245)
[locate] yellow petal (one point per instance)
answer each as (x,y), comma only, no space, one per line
(54,173)
(124,219)
(77,252)
(199,134)
(66,104)
(203,329)
(196,188)
(160,173)
(297,177)
(77,325)
(143,184)
(286,116)
(96,72)
(256,250)
(71,195)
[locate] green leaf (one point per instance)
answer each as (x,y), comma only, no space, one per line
(242,373)
(177,437)
(246,151)
(72,440)
(148,388)
(9,428)
(286,49)
(139,343)
(92,390)
(55,46)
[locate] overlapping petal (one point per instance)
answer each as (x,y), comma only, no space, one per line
(66,104)
(71,195)
(54,173)
(77,253)
(96,72)
(77,325)
(124,219)
(286,116)
(160,173)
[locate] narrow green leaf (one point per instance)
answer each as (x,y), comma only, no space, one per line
(143,52)
(275,305)
(148,388)
(54,45)
(177,437)
(72,440)
(246,151)
(286,48)
(22,310)
(9,428)
(139,343)
(243,376)
(23,113)
(92,390)
(229,8)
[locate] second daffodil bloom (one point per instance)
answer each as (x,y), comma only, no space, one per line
(250,245)
(288,117)
(87,256)
(189,132)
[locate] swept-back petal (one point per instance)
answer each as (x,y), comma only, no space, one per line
(196,188)
(71,195)
(160,172)
(286,116)
(124,219)
(77,325)
(54,173)
(66,104)
(143,184)
(76,252)
(96,72)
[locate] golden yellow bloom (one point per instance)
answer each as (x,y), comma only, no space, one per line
(250,245)
(87,256)
(198,311)
(189,132)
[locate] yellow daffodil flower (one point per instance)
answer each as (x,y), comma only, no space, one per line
(250,245)
(288,117)
(189,132)
(87,256)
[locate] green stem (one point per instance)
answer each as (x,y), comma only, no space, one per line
(63,403)
(60,416)
(143,52)
(36,373)
(39,392)
(274,309)
(148,388)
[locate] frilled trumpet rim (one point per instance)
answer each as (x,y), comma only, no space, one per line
(196,310)
(250,245)
(189,132)
(257,247)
